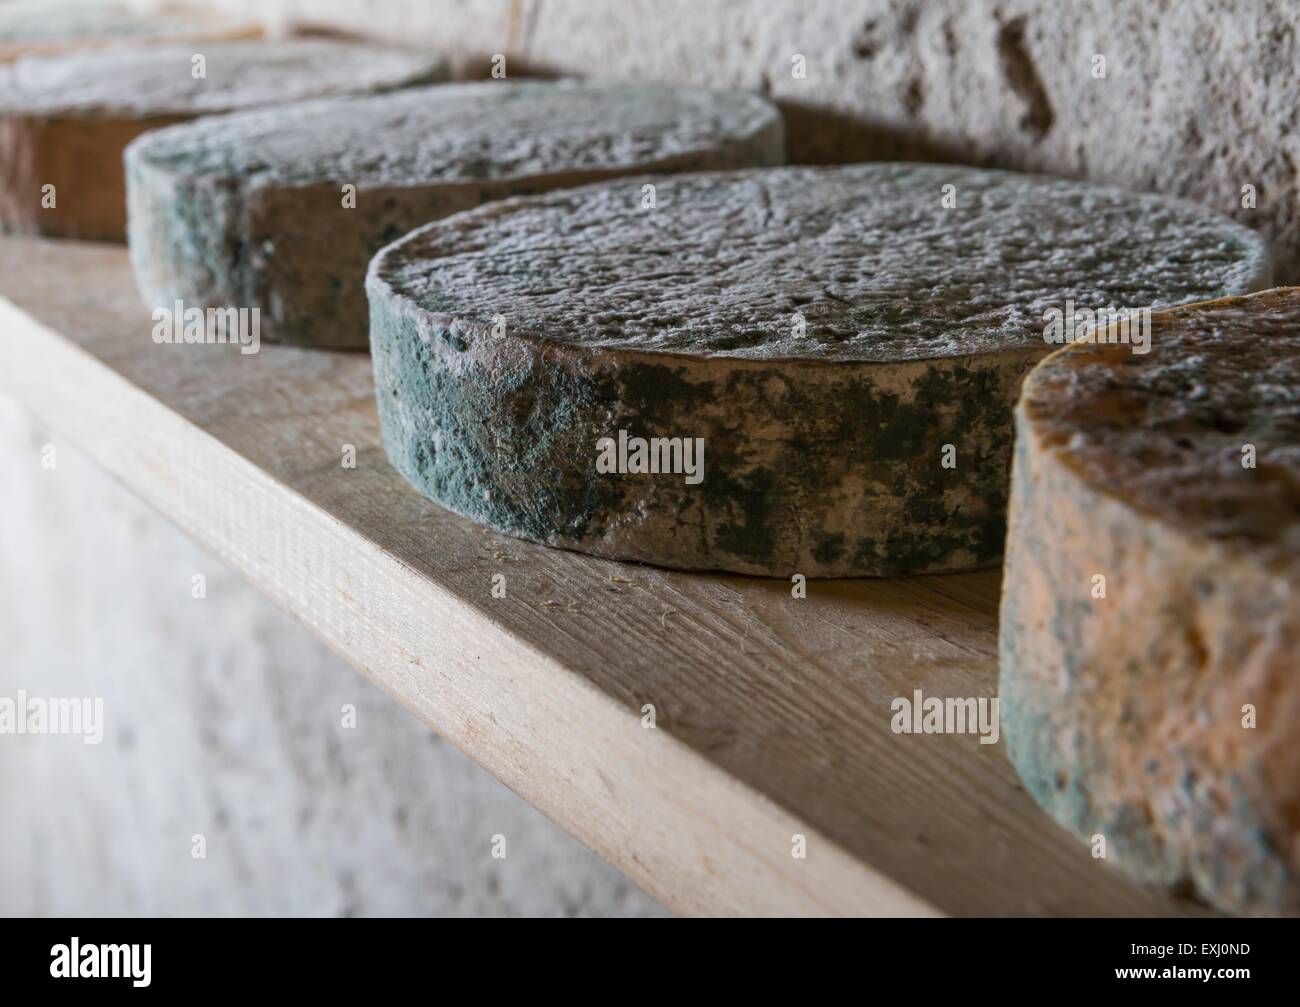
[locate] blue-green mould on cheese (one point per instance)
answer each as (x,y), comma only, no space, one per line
(508,341)
(251,210)
(1157,708)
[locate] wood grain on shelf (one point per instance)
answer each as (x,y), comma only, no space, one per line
(773,713)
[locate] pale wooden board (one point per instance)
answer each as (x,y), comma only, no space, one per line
(773,712)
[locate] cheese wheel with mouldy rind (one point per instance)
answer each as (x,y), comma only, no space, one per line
(65,120)
(35,27)
(1164,715)
(509,340)
(249,210)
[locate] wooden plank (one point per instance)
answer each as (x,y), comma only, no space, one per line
(773,713)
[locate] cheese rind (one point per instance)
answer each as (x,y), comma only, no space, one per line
(1163,714)
(250,210)
(36,27)
(65,120)
(874,439)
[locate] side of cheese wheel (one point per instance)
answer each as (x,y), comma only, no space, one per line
(65,120)
(1150,634)
(42,27)
(283,209)
(838,348)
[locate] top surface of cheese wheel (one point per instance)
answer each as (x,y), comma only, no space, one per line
(455,133)
(34,25)
(867,254)
(158,80)
(1165,431)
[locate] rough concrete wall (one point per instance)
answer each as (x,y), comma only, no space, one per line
(223,718)
(1200,97)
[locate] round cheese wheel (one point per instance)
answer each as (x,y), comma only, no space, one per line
(283,209)
(32,27)
(65,120)
(1150,634)
(844,345)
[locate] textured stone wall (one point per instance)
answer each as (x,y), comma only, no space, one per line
(223,717)
(1199,98)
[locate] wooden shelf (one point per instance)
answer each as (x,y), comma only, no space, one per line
(773,713)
